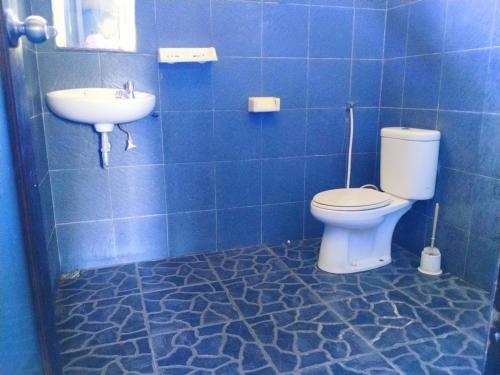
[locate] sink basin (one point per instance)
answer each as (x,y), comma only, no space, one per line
(99,105)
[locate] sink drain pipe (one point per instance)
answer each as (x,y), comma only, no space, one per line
(105,149)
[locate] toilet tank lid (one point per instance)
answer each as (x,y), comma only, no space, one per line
(411,134)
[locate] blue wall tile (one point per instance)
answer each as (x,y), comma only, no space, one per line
(145,26)
(486,210)
(238,227)
(415,87)
(326,131)
(236,27)
(492,84)
(489,157)
(141,238)
(282,180)
(369,26)
(81,195)
(286,79)
(468,24)
(279,38)
(395,33)
(426,27)
(330,32)
(183,23)
(463,81)
(460,134)
(282,222)
(283,134)
(392,83)
(324,173)
(45,190)
(237,135)
(191,232)
(409,232)
(452,242)
(363,169)
(188,136)
(312,228)
(86,245)
(238,183)
(365,131)
(186,87)
(137,191)
(366,82)
(419,118)
(183,186)
(234,80)
(482,266)
(328,84)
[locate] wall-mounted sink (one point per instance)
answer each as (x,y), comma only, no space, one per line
(101,107)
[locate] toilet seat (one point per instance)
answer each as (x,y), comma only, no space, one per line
(356,199)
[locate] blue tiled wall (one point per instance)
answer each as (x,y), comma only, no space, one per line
(441,71)
(207,174)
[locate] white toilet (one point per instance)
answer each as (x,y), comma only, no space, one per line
(359,222)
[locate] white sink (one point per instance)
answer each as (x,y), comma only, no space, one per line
(103,108)
(98,106)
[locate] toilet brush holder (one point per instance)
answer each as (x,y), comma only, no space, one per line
(430,262)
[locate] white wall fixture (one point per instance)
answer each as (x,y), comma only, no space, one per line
(186,55)
(264,104)
(103,108)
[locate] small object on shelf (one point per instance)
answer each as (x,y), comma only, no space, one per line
(263,104)
(186,55)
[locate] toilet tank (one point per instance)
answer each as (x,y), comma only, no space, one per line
(408,162)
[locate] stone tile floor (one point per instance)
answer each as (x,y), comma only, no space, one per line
(269,310)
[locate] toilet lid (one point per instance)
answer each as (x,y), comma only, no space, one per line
(352,199)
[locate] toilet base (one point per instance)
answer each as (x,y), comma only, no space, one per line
(360,266)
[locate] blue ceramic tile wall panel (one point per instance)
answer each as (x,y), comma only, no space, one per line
(324,173)
(452,242)
(234,80)
(363,169)
(419,118)
(238,183)
(188,136)
(32,89)
(410,233)
(463,80)
(53,260)
(312,227)
(280,38)
(47,210)
(237,135)
(371,4)
(238,227)
(283,133)
(328,84)
(147,136)
(186,87)
(183,23)
(282,222)
(366,130)
(486,208)
(455,194)
(343,3)
(468,24)
(426,27)
(390,117)
(137,191)
(369,27)
(282,180)
(86,245)
(392,83)
(285,79)
(58,71)
(326,131)
(366,82)
(492,85)
(70,145)
(39,146)
(489,157)
(237,28)
(183,186)
(118,68)
(141,238)
(80,195)
(330,33)
(395,32)
(482,265)
(459,145)
(421,89)
(145,26)
(191,232)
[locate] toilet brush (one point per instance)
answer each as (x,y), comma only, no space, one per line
(430,262)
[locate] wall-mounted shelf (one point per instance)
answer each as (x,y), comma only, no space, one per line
(186,55)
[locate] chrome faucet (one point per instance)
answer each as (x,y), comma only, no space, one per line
(128,91)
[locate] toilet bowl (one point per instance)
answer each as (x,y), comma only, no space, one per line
(359,222)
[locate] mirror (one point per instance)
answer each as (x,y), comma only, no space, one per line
(95,24)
